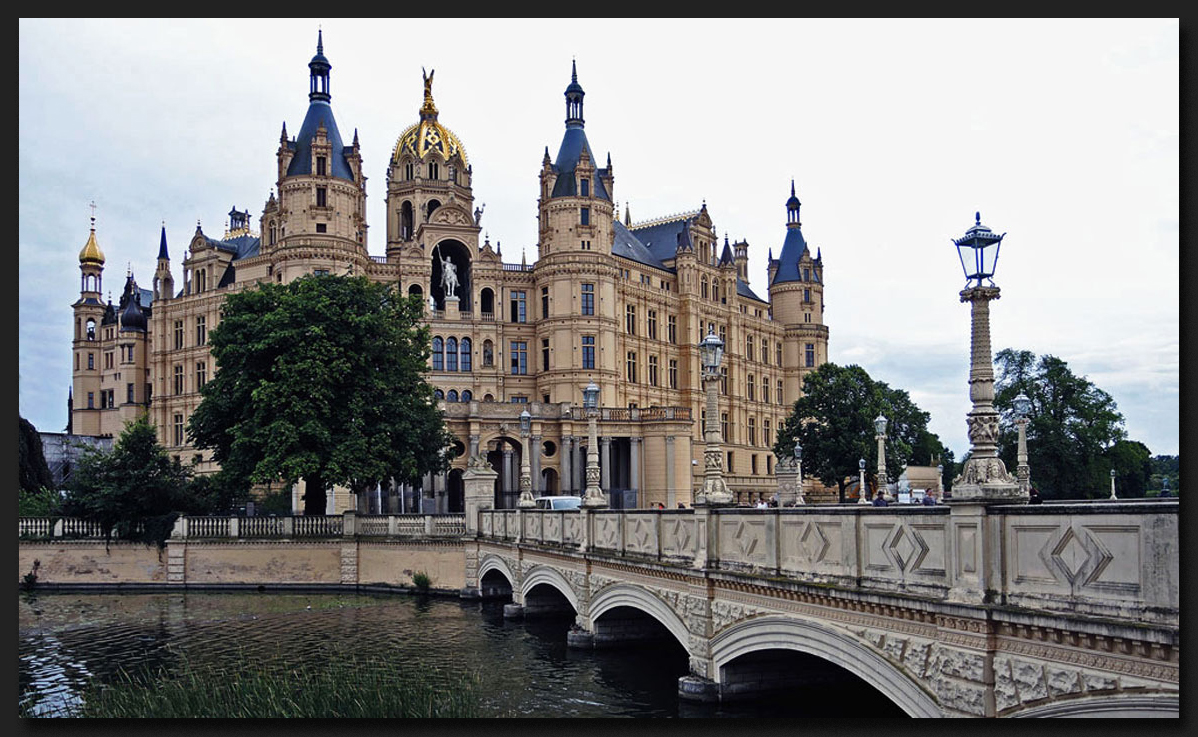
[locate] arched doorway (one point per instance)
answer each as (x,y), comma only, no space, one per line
(550,483)
(504,458)
(459,256)
(455,492)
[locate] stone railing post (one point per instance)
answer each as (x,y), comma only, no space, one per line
(428,525)
(234,527)
(179,532)
(585,517)
(478,485)
(289,526)
(392,525)
(58,526)
(349,523)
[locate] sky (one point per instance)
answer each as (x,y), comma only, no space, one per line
(1063,134)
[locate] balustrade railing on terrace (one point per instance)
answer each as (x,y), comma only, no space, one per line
(1088,558)
(287,527)
(635,414)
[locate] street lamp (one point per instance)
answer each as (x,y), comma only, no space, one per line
(880,428)
(714,492)
(526,500)
(593,496)
(861,489)
(1022,405)
(799,466)
(984,478)
(1113,497)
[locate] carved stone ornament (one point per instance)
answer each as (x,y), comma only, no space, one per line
(980,471)
(983,429)
(711,460)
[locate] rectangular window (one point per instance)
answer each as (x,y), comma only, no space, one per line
(724,433)
(778,353)
(201,330)
(129,393)
(103,400)
(544,354)
(765,351)
(765,388)
(178,334)
(632,366)
(320,166)
(519,355)
(149,393)
(588,351)
(178,429)
(749,347)
(91,400)
(322,228)
(780,392)
(672,328)
(584,188)
(321,197)
(544,302)
(585,216)
(724,334)
(806,295)
(588,299)
(769,464)
(629,319)
(809,355)
(91,361)
(751,387)
(201,374)
(519,310)
(108,360)
(652,370)
(519,400)
(653,324)
(673,374)
(320,272)
(465,349)
(178,379)
(753,463)
(753,433)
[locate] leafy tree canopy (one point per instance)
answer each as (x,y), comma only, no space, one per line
(135,491)
(322,379)
(1073,427)
(834,422)
(35,474)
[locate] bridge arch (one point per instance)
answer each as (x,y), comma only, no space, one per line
(786,633)
(549,577)
(1114,706)
(495,563)
(635,597)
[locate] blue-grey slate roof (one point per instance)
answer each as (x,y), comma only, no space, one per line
(625,244)
(793,249)
(243,246)
(319,112)
(574,142)
(662,239)
(743,290)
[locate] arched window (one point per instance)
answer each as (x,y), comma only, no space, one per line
(488,353)
(433,171)
(703,287)
(465,349)
(432,205)
(467,396)
(438,395)
(91,329)
(415,290)
(438,354)
(451,354)
(488,398)
(452,396)
(409,171)
(486,299)
(274,233)
(715,290)
(405,220)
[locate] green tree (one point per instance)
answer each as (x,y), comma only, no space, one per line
(1132,463)
(35,474)
(834,422)
(135,491)
(1071,426)
(1165,468)
(321,379)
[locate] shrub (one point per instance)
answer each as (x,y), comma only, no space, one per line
(421,581)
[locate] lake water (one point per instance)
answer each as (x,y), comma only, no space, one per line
(524,668)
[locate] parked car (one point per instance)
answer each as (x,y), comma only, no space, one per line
(559,502)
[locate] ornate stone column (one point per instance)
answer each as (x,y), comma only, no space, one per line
(984,479)
(634,469)
(605,462)
(715,491)
(787,474)
(594,498)
(509,481)
(535,452)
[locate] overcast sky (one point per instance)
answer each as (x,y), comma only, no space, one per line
(1063,133)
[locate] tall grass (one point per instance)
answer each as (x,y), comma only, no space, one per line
(350,686)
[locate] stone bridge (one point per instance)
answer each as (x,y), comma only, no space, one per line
(959,610)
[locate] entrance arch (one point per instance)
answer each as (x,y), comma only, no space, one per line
(785,633)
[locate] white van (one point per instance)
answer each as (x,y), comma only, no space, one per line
(559,502)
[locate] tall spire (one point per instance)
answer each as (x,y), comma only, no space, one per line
(162,254)
(574,95)
(792,208)
(91,252)
(319,72)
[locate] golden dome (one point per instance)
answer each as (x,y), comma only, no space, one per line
(91,253)
(428,135)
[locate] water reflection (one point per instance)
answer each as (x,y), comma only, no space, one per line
(524,668)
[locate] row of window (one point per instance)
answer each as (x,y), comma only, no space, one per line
(630,324)
(108,397)
(201,325)
(433,170)
(451,355)
(201,376)
(453,396)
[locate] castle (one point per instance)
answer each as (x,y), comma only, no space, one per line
(619,303)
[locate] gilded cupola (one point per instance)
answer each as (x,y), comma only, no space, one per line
(91,253)
(428,135)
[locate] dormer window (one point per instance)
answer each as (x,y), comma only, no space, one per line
(584,187)
(320,166)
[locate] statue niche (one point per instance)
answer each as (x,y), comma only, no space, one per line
(450,262)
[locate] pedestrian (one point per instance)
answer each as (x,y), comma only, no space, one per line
(929,500)
(880,500)
(1033,496)
(681,505)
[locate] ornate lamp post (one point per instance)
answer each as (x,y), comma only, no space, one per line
(984,479)
(880,430)
(593,496)
(861,493)
(799,467)
(714,492)
(1113,497)
(1023,405)
(526,500)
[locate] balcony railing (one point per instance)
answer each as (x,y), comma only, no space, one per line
(260,528)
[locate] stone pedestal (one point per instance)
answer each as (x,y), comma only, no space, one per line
(478,484)
(787,474)
(451,308)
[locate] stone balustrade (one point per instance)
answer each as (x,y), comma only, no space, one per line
(264,528)
(1109,559)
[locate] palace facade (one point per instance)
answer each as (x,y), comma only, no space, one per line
(621,303)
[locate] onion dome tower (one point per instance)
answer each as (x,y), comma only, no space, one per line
(89,314)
